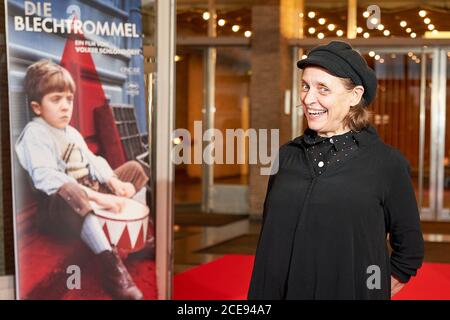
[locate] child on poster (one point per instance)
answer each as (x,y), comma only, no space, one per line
(69,177)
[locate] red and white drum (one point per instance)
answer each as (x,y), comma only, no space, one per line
(127,230)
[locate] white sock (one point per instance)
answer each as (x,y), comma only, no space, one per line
(93,235)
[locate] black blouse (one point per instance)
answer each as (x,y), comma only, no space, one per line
(322,151)
(323,235)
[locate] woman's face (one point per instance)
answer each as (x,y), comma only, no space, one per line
(326,101)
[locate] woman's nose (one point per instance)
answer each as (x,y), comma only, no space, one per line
(309,98)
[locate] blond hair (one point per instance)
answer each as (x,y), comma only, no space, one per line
(358,117)
(44,77)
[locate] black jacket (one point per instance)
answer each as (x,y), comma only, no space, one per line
(324,237)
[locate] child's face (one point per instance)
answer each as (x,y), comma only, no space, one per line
(55,108)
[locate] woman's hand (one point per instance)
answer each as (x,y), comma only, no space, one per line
(109,202)
(122,189)
(396,286)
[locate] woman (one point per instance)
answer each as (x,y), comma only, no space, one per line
(338,193)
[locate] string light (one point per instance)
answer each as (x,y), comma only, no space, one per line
(413,35)
(386,32)
(427,20)
(320,35)
(403,24)
(381,60)
(311,14)
(176,140)
(431,27)
(408,30)
(380,27)
(331,27)
(247,34)
(339,33)
(366,35)
(322,21)
(235,28)
(377,57)
(366,14)
(359,30)
(304,56)
(422,13)
(177,58)
(410,54)
(221,22)
(206,15)
(312,30)
(374,21)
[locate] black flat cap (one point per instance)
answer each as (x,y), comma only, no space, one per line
(341,60)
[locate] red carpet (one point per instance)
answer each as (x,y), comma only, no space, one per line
(228,278)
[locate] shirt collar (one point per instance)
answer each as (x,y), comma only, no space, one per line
(339,142)
(364,137)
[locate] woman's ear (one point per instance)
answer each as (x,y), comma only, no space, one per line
(357,94)
(36,108)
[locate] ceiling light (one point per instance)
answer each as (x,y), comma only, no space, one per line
(176,140)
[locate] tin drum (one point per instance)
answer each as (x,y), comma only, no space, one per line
(127,230)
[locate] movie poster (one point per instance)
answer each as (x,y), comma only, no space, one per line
(79,141)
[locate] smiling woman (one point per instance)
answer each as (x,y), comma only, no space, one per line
(338,192)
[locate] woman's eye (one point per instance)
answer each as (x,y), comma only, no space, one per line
(323,90)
